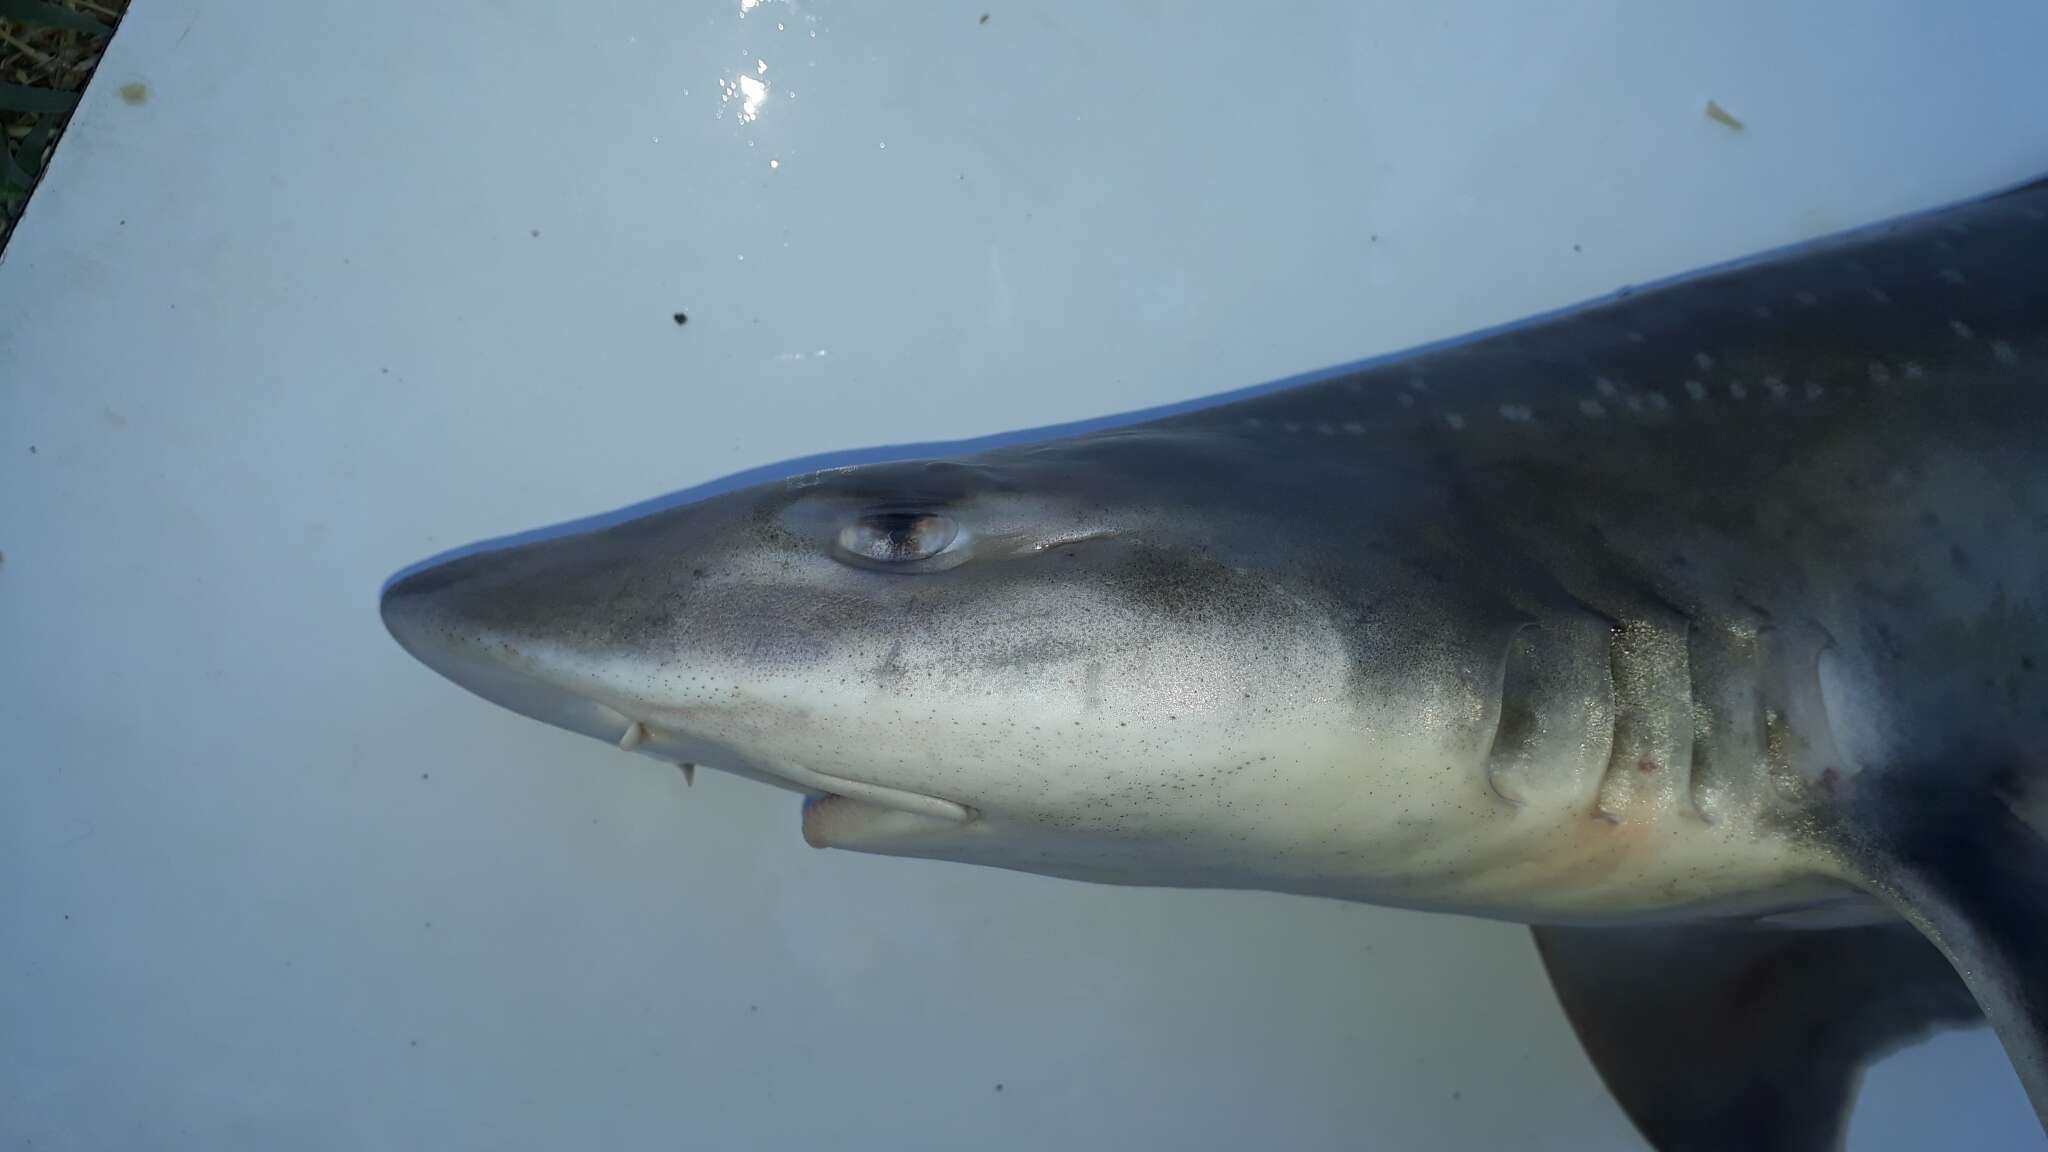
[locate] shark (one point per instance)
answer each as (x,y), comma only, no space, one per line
(1702,627)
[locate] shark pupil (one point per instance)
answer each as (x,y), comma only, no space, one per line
(897,537)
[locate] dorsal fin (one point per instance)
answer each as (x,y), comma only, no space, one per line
(1715,1037)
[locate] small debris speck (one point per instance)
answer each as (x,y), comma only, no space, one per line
(1719,115)
(134,93)
(423,775)
(1576,248)
(681,319)
(983,20)
(533,232)
(999,1087)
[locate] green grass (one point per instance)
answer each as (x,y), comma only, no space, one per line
(48,51)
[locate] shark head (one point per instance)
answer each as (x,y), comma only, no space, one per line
(1106,658)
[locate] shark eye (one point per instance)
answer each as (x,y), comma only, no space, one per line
(897,537)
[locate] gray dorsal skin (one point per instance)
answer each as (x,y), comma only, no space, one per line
(1711,614)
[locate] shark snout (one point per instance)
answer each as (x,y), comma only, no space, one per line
(459,618)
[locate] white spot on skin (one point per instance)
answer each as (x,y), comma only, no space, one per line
(1775,386)
(1806,299)
(1325,428)
(1914,371)
(1354,428)
(1517,414)
(1762,313)
(1879,374)
(1953,276)
(1407,399)
(1961,329)
(1593,408)
(1290,425)
(1606,388)
(1736,391)
(1814,391)
(1695,389)
(1657,402)
(1254,422)
(1635,403)
(1454,420)
(1880,296)
(1857,727)
(2004,352)
(1636,338)
(1704,361)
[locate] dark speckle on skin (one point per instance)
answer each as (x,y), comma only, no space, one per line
(999,1087)
(681,318)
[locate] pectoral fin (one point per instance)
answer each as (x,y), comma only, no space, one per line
(1720,1037)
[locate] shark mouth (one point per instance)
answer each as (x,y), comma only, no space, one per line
(565,692)
(835,820)
(838,812)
